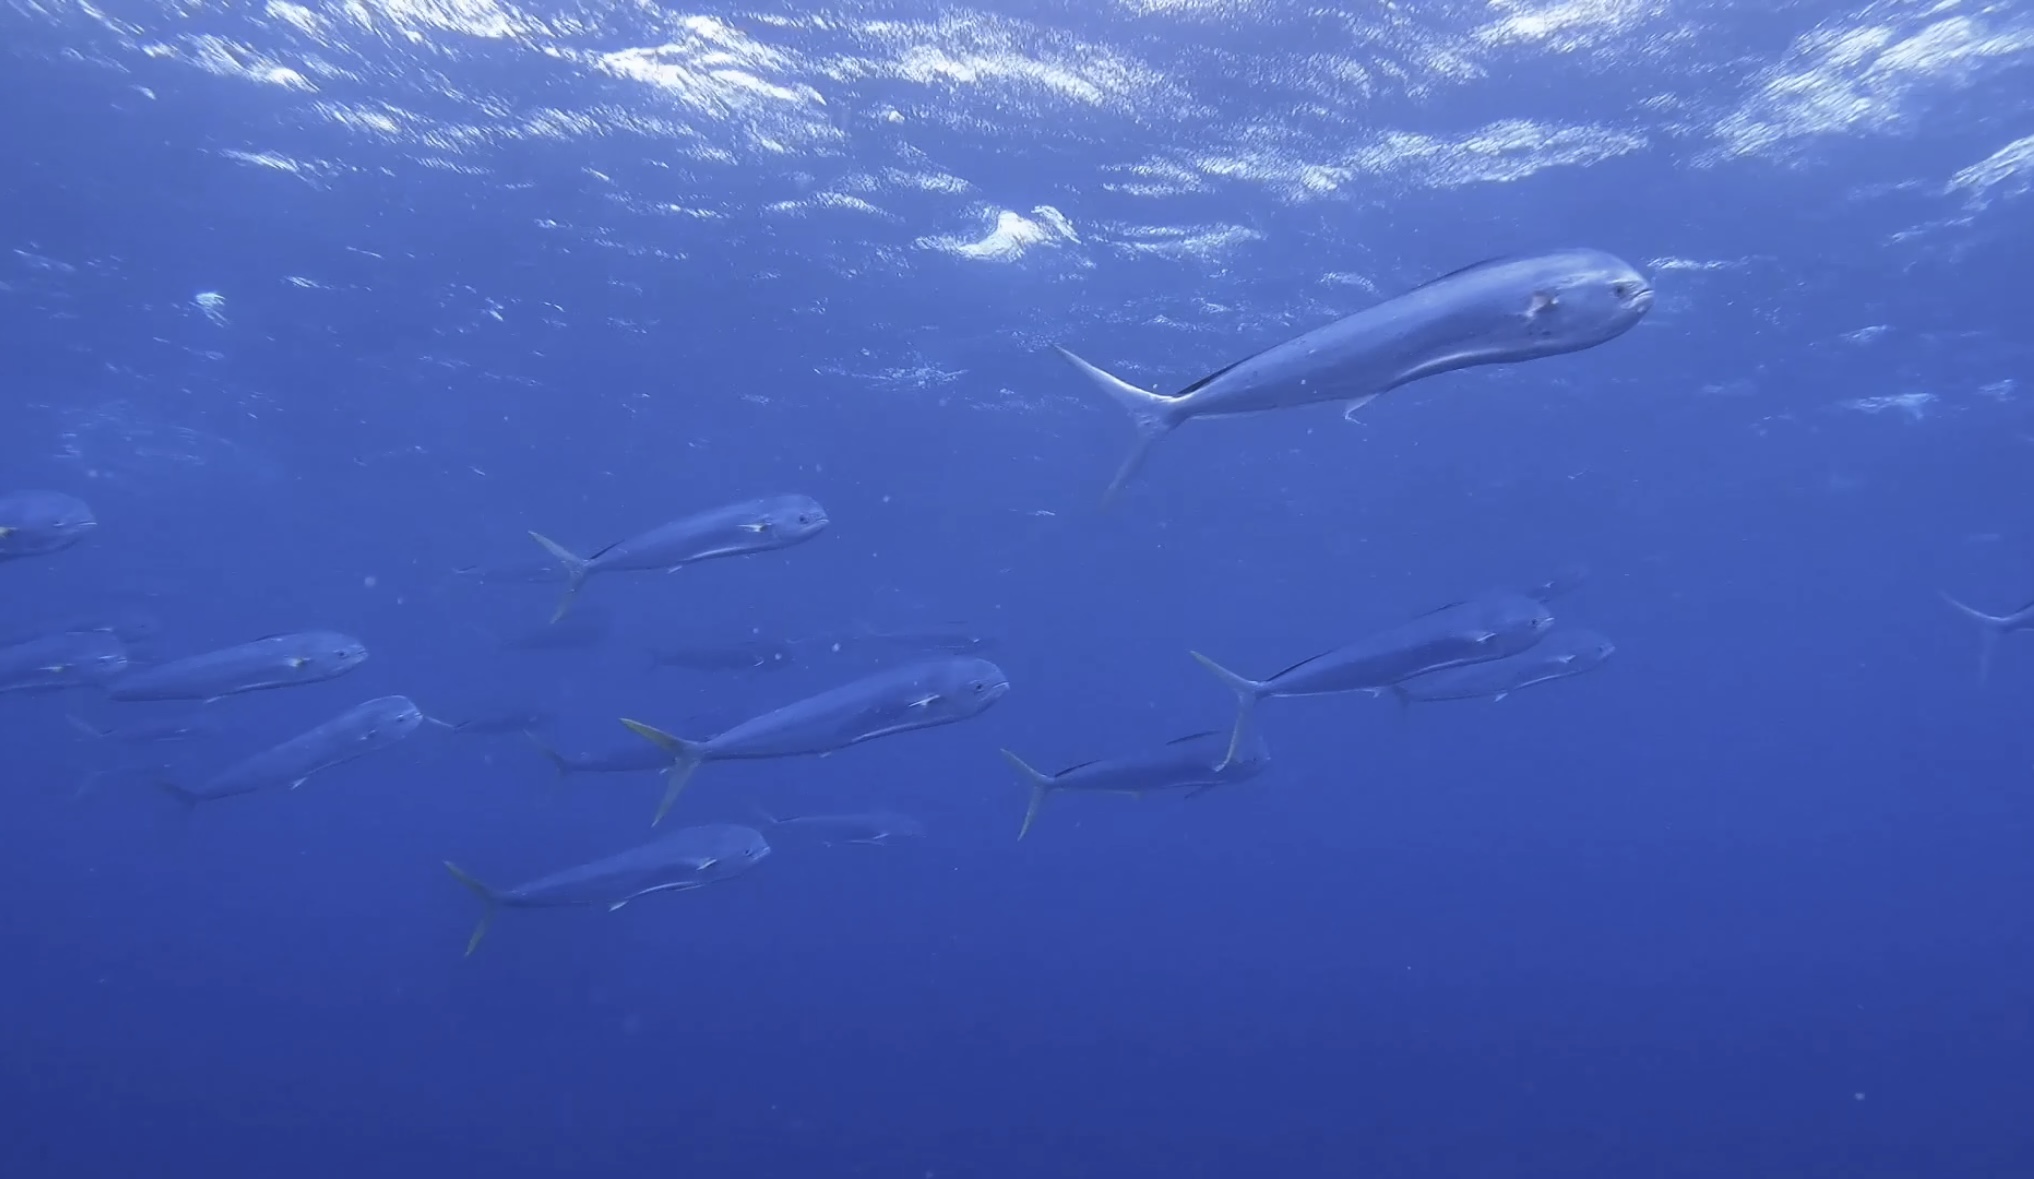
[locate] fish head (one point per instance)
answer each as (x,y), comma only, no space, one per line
(1581,298)
(334,653)
(972,685)
(792,518)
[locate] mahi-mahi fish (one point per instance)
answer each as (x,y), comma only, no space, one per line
(1492,312)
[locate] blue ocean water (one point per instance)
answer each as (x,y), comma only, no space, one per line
(318,305)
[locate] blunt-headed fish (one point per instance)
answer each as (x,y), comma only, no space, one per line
(875,828)
(753,526)
(156,731)
(626,757)
(1195,763)
(1463,632)
(954,638)
(129,626)
(1992,628)
(688,858)
(916,696)
(1564,653)
(277,661)
(358,731)
(1494,312)
(753,654)
(34,523)
(56,662)
(589,626)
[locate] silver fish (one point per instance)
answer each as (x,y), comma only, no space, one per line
(1463,632)
(916,696)
(149,732)
(1494,312)
(874,828)
(1195,763)
(275,661)
(1992,628)
(1564,653)
(36,523)
(754,526)
(56,662)
(688,858)
(358,731)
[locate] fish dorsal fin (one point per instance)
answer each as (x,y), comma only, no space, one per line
(1472,268)
(1211,376)
(1439,609)
(1193,737)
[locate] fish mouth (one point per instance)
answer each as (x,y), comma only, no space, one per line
(996,691)
(1642,300)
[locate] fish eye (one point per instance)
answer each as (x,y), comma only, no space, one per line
(1624,288)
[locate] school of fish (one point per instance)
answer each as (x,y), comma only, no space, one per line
(1502,311)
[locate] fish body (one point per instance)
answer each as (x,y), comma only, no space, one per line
(739,655)
(501,722)
(357,732)
(277,661)
(688,858)
(915,696)
(875,828)
(623,758)
(1194,763)
(157,731)
(56,662)
(1499,311)
(949,639)
(1464,632)
(753,526)
(37,523)
(1564,653)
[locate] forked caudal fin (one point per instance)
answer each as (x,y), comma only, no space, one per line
(1153,415)
(575,572)
(1041,785)
(489,899)
(1994,628)
(1247,691)
(685,758)
(551,755)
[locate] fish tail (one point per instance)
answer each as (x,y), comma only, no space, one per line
(551,755)
(685,759)
(1153,415)
(1247,691)
(1041,786)
(1992,629)
(575,572)
(490,900)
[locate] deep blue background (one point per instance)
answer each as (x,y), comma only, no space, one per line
(1753,900)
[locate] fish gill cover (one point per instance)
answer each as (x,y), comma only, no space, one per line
(315,311)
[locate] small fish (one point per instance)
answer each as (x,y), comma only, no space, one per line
(501,722)
(688,858)
(536,571)
(739,655)
(276,661)
(160,730)
(1494,312)
(1195,763)
(37,523)
(357,732)
(944,638)
(1463,632)
(54,663)
(754,526)
(589,626)
(874,828)
(1564,653)
(622,759)
(129,626)
(916,696)
(1992,628)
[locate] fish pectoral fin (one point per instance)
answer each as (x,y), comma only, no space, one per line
(1543,302)
(297,662)
(299,782)
(757,526)
(1499,696)
(1355,403)
(1482,636)
(925,701)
